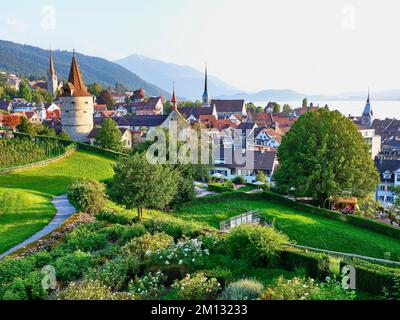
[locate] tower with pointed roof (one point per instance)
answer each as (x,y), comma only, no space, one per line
(52,81)
(173,100)
(76,105)
(368,116)
(206,96)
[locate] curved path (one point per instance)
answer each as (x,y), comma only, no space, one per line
(64,211)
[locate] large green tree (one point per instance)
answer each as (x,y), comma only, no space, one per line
(324,155)
(106,98)
(25,91)
(140,184)
(109,136)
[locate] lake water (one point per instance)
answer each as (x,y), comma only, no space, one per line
(381,109)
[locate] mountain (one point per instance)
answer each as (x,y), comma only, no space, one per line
(189,82)
(32,61)
(267,95)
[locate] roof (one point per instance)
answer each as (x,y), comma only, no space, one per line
(52,71)
(135,121)
(196,111)
(384,165)
(234,106)
(244,126)
(4,104)
(150,104)
(263,160)
(75,86)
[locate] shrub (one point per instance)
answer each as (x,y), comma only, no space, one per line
(88,243)
(172,272)
(42,258)
(112,217)
(27,288)
(143,246)
(91,290)
(114,232)
(173,227)
(317,265)
(134,231)
(373,225)
(150,286)
(245,289)
(116,273)
(14,291)
(15,268)
(307,289)
(87,195)
(219,187)
(239,180)
(214,243)
(223,275)
(188,252)
(196,287)
(373,278)
(72,266)
(256,244)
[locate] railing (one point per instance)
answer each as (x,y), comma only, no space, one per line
(251,217)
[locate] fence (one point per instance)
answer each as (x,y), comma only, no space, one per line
(251,217)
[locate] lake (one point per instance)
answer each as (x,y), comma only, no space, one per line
(382,109)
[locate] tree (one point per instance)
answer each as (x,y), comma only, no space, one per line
(277,107)
(95,89)
(287,109)
(324,155)
(140,184)
(24,91)
(305,103)
(64,135)
(87,195)
(261,176)
(109,136)
(106,98)
(26,127)
(11,121)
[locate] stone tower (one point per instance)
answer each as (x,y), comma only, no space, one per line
(76,106)
(52,82)
(368,116)
(206,96)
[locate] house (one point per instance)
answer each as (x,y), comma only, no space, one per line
(228,108)
(389,172)
(13,81)
(32,116)
(371,139)
(230,167)
(5,105)
(151,106)
(267,137)
(193,114)
(100,108)
(138,95)
(126,137)
(120,97)
(21,105)
(391,148)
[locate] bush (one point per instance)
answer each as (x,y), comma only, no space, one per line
(150,286)
(223,275)
(317,265)
(15,268)
(134,231)
(188,252)
(373,278)
(42,258)
(91,290)
(145,245)
(196,287)
(111,217)
(72,266)
(256,244)
(87,195)
(220,187)
(239,180)
(88,243)
(214,243)
(172,272)
(307,289)
(115,274)
(173,227)
(245,289)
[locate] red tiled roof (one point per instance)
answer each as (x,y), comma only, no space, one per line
(75,86)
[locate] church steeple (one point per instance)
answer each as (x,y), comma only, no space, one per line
(368,116)
(206,97)
(52,82)
(173,100)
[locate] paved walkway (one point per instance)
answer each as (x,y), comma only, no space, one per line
(64,211)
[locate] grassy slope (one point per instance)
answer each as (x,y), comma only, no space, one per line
(306,229)
(25,197)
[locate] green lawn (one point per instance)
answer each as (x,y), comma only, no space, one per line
(25,197)
(304,228)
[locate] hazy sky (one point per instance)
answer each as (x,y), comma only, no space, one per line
(313,46)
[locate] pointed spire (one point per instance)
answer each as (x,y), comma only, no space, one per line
(368,100)
(173,100)
(75,86)
(206,96)
(52,71)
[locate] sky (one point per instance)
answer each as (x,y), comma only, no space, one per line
(312,46)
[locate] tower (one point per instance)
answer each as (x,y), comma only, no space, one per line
(173,100)
(76,106)
(52,82)
(206,97)
(368,116)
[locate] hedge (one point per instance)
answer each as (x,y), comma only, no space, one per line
(219,188)
(317,265)
(302,207)
(372,278)
(373,225)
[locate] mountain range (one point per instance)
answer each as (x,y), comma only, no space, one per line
(189,82)
(33,61)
